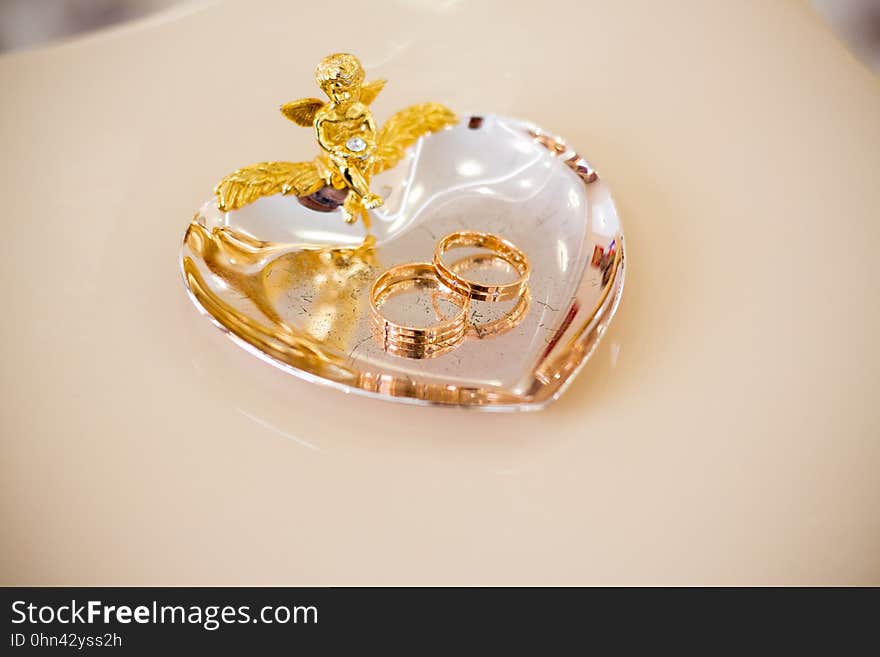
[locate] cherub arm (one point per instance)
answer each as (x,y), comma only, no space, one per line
(331,141)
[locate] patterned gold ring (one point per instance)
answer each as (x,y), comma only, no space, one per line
(509,320)
(505,250)
(413,341)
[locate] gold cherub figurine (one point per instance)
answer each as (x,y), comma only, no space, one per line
(352,149)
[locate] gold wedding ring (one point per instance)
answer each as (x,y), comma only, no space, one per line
(412,341)
(447,282)
(480,291)
(498,326)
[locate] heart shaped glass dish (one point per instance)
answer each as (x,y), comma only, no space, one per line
(289,281)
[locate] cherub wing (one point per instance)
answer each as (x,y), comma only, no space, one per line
(370,90)
(265,179)
(403,130)
(302,111)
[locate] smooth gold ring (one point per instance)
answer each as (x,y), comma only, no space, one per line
(412,341)
(480,291)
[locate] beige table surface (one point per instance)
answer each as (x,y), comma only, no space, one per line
(726,432)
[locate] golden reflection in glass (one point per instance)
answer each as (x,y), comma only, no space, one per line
(263,272)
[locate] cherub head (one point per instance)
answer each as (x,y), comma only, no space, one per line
(340,77)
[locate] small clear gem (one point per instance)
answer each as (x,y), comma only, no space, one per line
(355,144)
